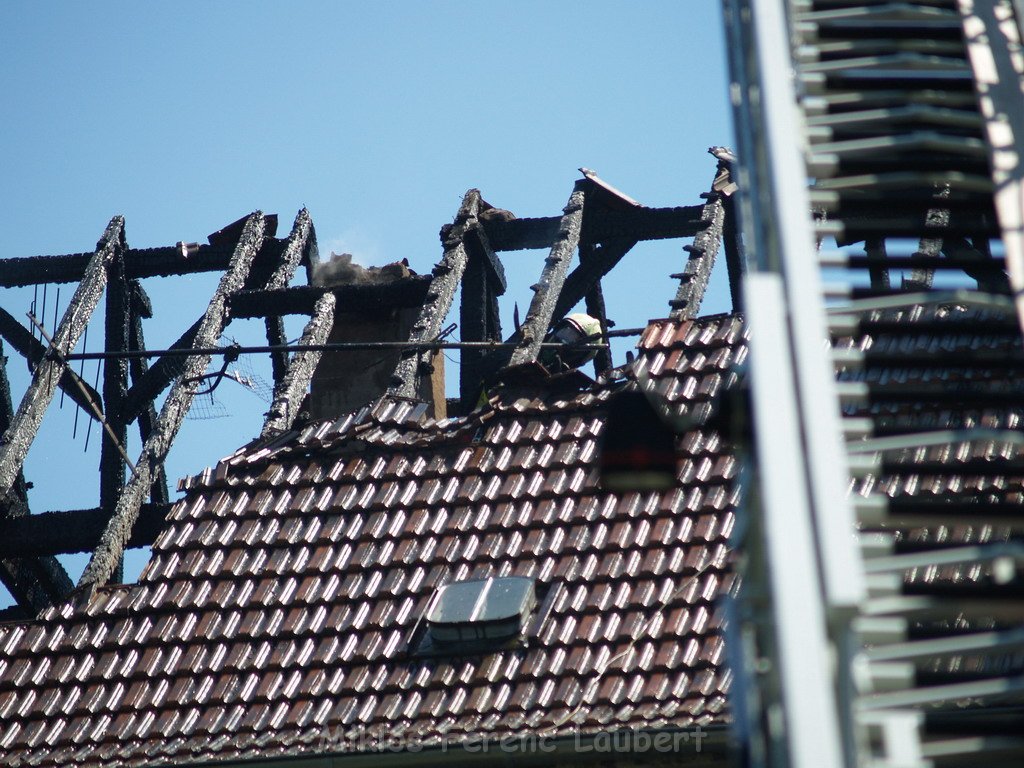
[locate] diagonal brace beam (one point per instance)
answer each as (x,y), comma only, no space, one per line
(587,276)
(33,350)
(158,376)
(16,441)
(119,530)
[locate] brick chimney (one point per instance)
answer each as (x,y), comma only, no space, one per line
(346,381)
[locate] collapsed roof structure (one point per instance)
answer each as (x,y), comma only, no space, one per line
(289,593)
(432,582)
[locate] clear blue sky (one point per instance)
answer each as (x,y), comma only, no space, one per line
(376,116)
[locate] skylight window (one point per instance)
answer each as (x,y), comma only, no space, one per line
(484,609)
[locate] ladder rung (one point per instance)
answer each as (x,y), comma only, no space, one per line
(881,629)
(840,260)
(981,642)
(1012,551)
(915,697)
(890,676)
(925,607)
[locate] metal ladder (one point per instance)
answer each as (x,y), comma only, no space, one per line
(881,206)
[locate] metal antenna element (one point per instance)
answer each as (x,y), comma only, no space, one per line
(56,355)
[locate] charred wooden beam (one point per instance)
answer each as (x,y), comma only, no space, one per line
(977,261)
(693,281)
(118,531)
(301,239)
(291,389)
(637,223)
(733,255)
(141,307)
(73,531)
(930,247)
(479,247)
(549,288)
(298,300)
(139,263)
(22,340)
(35,583)
(447,276)
(159,376)
(479,319)
(301,299)
(115,387)
(878,257)
(16,440)
(596,308)
(598,262)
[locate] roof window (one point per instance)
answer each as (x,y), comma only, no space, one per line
(485,609)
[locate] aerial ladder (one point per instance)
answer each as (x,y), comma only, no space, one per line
(879,159)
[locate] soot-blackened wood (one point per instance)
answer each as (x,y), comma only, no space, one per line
(23,342)
(290,390)
(141,308)
(160,375)
(600,260)
(300,299)
(139,263)
(733,255)
(552,278)
(693,281)
(879,272)
(298,244)
(118,532)
(596,308)
(16,441)
(479,319)
(73,531)
(922,277)
(115,387)
(977,261)
(447,276)
(35,583)
(631,224)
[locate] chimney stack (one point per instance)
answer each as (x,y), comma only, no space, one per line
(346,381)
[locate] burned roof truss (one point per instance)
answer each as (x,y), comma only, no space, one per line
(599,223)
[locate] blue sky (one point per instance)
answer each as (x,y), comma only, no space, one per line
(376,116)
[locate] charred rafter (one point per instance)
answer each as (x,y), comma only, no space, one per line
(17,439)
(291,388)
(33,351)
(447,277)
(117,534)
(552,277)
(693,281)
(300,243)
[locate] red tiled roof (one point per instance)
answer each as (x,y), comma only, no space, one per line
(282,596)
